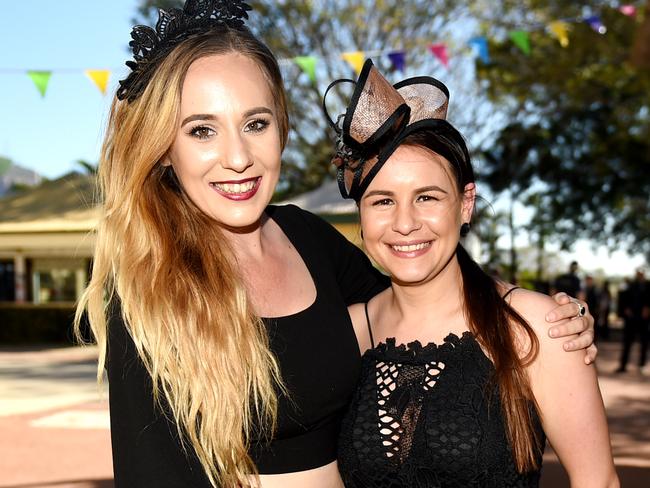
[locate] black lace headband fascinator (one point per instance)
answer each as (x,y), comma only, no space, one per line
(379,117)
(151,46)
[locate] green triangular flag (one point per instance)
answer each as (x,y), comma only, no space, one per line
(520,38)
(40,79)
(308,65)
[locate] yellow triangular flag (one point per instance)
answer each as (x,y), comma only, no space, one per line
(99,77)
(560,31)
(355,59)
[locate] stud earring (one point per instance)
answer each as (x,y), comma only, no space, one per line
(464,229)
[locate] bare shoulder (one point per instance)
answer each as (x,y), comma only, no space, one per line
(357,313)
(531,305)
(533,308)
(359,319)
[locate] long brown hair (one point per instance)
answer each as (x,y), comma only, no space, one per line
(491,319)
(182,297)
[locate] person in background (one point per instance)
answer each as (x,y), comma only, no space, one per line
(634,308)
(569,282)
(602,326)
(591,295)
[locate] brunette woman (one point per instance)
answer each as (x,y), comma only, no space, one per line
(460,382)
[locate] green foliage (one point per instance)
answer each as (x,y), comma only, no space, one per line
(5,164)
(88,168)
(578,139)
(327,28)
(18,188)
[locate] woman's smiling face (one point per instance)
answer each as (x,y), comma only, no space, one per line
(411,215)
(226,153)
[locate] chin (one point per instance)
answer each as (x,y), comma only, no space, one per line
(236,216)
(240,221)
(411,279)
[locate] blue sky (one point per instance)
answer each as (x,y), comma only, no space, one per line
(49,134)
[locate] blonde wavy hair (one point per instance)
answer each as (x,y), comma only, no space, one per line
(182,297)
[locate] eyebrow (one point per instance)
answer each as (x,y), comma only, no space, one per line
(248,113)
(423,189)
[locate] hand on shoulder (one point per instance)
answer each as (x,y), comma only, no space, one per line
(534,307)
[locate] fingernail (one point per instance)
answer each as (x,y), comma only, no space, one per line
(568,346)
(551,318)
(553,332)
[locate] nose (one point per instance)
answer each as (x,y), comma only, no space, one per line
(405,219)
(236,153)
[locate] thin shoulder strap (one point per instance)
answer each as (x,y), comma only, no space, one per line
(510,291)
(372,340)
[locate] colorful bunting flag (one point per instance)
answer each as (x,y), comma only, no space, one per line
(629,10)
(308,65)
(596,24)
(99,77)
(520,39)
(355,59)
(560,31)
(480,44)
(398,60)
(439,50)
(41,80)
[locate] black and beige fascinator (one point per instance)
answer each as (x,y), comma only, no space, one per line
(151,46)
(378,118)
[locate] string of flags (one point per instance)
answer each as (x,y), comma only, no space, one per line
(559,29)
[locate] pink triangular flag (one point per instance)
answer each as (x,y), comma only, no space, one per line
(439,50)
(629,10)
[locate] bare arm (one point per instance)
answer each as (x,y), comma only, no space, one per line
(571,406)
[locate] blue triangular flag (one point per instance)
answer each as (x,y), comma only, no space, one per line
(480,44)
(398,59)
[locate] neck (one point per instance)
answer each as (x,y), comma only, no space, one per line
(434,301)
(248,242)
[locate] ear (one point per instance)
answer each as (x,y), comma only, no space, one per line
(165,160)
(469,198)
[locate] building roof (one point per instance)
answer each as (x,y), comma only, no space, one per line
(61,205)
(324,200)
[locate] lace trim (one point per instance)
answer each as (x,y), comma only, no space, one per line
(390,351)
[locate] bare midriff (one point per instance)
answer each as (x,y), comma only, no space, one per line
(324,477)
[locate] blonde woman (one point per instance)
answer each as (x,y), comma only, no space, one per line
(222,321)
(460,383)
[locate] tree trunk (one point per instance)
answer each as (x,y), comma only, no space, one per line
(640,55)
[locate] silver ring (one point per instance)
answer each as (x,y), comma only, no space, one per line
(581,308)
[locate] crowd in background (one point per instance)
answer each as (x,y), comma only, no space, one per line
(630,302)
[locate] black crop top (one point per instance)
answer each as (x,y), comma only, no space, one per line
(318,357)
(429,417)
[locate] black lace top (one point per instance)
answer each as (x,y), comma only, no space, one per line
(427,417)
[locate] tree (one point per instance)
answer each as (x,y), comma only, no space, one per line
(326,29)
(578,136)
(87,167)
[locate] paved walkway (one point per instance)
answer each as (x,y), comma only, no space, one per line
(54,423)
